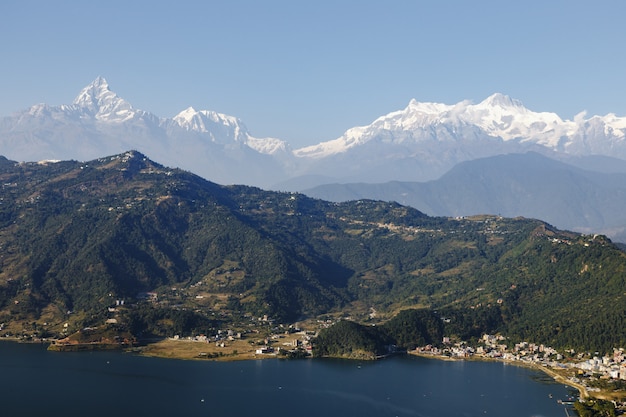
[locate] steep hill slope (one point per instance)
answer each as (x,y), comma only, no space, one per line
(77,238)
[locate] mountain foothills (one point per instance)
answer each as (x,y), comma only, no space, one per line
(420,143)
(160,251)
(530,185)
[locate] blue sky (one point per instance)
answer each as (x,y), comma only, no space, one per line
(305,71)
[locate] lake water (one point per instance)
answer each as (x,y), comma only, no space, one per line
(35,382)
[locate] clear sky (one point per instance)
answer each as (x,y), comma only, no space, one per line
(305,71)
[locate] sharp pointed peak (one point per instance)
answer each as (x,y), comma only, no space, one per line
(91,94)
(98,99)
(188,112)
(98,85)
(501,100)
(100,81)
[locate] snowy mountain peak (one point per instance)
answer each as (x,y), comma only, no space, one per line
(501,100)
(498,116)
(92,93)
(503,117)
(98,100)
(418,142)
(225,129)
(186,114)
(424,108)
(204,121)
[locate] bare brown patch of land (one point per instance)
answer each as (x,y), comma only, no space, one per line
(238,349)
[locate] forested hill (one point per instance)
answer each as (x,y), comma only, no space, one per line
(76,237)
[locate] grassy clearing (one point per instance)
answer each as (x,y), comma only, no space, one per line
(188,349)
(230,351)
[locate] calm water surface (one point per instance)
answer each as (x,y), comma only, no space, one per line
(35,382)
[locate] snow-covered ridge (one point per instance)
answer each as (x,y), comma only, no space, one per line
(103,104)
(222,128)
(506,118)
(418,143)
(415,116)
(198,121)
(97,103)
(498,116)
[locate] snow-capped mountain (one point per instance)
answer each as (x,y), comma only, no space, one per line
(98,101)
(226,130)
(424,140)
(212,123)
(99,122)
(418,143)
(498,118)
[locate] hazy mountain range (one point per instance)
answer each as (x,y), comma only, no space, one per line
(529,185)
(419,143)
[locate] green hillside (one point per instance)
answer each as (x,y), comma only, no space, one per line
(78,239)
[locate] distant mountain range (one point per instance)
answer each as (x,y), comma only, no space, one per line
(529,185)
(419,143)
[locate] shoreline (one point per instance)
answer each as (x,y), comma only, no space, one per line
(150,351)
(582,390)
(193,350)
(164,349)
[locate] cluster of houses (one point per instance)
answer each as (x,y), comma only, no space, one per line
(609,366)
(303,343)
(219,339)
(494,347)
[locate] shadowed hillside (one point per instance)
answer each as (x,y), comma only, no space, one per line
(77,238)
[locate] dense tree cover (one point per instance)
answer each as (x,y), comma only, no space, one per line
(608,384)
(407,330)
(595,408)
(352,340)
(77,236)
(412,328)
(470,324)
(574,297)
(147,321)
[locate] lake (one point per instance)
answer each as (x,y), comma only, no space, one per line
(36,382)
